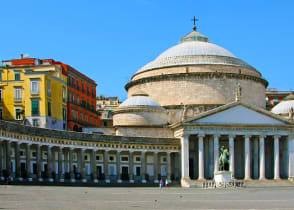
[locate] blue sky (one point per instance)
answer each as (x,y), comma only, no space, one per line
(110,40)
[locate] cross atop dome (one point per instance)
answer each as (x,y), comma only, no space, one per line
(194,20)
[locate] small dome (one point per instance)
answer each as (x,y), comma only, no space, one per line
(140,100)
(283,108)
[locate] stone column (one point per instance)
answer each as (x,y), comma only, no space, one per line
(82,165)
(155,166)
(232,154)
(216,152)
(28,162)
(39,162)
(60,174)
(93,166)
(1,161)
(143,166)
(201,157)
(277,157)
(261,158)
(247,157)
(105,159)
(168,158)
(184,158)
(291,156)
(118,167)
(131,163)
(49,163)
(8,159)
(71,165)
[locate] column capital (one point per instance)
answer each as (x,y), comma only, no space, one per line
(201,135)
(216,136)
(60,148)
(247,136)
(276,137)
(262,136)
(71,148)
(232,136)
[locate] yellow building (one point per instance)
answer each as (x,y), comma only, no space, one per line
(33,91)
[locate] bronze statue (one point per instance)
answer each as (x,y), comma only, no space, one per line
(224,159)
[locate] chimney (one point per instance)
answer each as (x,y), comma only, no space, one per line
(21,56)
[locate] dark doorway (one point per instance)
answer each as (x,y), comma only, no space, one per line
(34,168)
(99,172)
(76,128)
(138,171)
(22,170)
(191,168)
(125,173)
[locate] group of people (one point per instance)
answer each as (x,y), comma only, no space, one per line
(161,183)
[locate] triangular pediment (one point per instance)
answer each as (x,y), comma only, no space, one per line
(238,113)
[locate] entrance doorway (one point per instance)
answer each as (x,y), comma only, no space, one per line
(191,168)
(125,173)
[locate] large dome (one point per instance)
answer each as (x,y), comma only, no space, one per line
(193,49)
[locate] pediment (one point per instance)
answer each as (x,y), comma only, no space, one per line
(238,113)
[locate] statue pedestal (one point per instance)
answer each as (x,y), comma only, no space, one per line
(222,178)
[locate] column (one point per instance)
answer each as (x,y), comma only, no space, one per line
(291,156)
(60,174)
(71,165)
(261,158)
(155,164)
(82,165)
(143,166)
(131,167)
(49,163)
(8,159)
(168,158)
(216,152)
(232,154)
(277,157)
(1,161)
(247,158)
(39,162)
(105,159)
(93,166)
(201,157)
(185,157)
(118,167)
(28,162)
(17,161)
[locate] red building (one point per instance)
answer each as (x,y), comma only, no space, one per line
(81,105)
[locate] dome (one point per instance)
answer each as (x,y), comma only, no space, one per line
(283,108)
(194,48)
(141,100)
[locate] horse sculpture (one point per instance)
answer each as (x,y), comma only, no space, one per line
(224,159)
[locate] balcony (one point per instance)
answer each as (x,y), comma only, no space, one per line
(17,100)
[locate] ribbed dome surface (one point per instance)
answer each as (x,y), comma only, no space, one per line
(141,101)
(283,108)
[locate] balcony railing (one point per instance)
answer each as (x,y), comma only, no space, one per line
(17,99)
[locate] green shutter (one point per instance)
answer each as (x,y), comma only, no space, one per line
(35,107)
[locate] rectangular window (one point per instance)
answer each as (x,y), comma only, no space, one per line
(81,116)
(124,158)
(49,108)
(72,114)
(86,117)
(78,99)
(17,94)
(63,94)
(49,87)
(73,98)
(69,96)
(64,113)
(17,75)
(1,113)
(95,123)
(0,75)
(1,94)
(18,113)
(36,123)
(34,87)
(91,119)
(35,106)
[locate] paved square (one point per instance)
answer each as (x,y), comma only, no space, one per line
(40,197)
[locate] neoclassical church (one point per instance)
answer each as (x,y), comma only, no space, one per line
(182,107)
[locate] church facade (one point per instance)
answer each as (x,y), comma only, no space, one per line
(182,108)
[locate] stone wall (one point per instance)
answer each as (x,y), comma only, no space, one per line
(145,132)
(195,89)
(140,118)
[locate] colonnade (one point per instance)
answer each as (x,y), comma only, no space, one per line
(250,146)
(67,164)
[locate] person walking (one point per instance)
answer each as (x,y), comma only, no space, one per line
(166,182)
(160,183)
